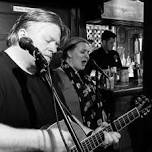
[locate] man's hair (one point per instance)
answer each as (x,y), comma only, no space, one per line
(72,43)
(106,35)
(37,15)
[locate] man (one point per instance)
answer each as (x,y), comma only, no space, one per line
(105,56)
(26,101)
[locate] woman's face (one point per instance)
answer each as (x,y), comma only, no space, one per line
(46,37)
(79,56)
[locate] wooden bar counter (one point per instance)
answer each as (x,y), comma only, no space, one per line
(130,88)
(124,94)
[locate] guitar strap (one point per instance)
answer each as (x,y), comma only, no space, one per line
(57,85)
(65,104)
(69,93)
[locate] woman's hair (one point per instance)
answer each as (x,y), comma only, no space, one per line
(37,15)
(71,44)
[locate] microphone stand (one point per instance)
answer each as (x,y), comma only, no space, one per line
(102,72)
(48,78)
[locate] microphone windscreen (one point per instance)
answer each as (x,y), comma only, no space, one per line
(25,43)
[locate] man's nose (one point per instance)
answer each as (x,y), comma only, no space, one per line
(53,47)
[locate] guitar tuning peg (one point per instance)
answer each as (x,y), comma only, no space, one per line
(147,100)
(139,99)
(136,102)
(142,95)
(141,116)
(148,110)
(145,113)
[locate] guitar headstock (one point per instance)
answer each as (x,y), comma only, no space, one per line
(143,105)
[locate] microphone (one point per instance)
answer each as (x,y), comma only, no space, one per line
(26,43)
(97,66)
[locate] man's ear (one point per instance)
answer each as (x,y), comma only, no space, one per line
(103,41)
(22,33)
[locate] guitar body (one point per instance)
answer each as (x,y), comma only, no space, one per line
(78,130)
(96,139)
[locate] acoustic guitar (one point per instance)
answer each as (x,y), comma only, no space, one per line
(143,106)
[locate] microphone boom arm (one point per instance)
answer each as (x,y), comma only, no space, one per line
(99,69)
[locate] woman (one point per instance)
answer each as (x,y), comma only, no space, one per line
(78,89)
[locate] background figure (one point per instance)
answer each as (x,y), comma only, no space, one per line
(26,103)
(105,56)
(77,87)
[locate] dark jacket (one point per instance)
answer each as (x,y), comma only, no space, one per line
(103,60)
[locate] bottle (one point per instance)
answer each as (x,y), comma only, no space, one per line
(131,70)
(136,68)
(114,74)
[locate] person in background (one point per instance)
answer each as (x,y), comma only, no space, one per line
(105,56)
(79,90)
(26,104)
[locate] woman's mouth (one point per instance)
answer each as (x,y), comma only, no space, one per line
(84,62)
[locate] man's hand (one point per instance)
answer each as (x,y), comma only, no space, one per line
(109,137)
(57,144)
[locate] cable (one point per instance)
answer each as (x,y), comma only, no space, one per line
(56,113)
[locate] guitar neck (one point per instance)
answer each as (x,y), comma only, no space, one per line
(125,119)
(92,142)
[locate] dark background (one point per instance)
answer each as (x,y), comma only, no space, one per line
(142,129)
